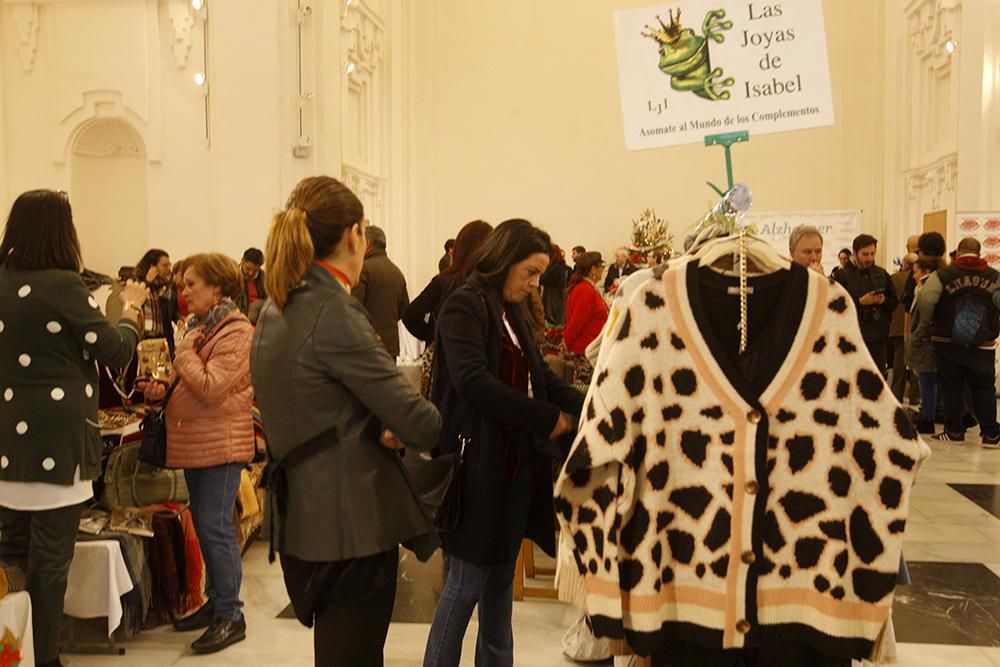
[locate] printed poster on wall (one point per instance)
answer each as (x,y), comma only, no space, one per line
(984,226)
(837,227)
(698,67)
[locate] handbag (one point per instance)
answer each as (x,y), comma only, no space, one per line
(439,485)
(154,359)
(128,482)
(153,450)
(426,360)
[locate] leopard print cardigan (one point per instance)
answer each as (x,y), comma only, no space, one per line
(698,515)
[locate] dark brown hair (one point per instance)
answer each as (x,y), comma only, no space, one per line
(928,264)
(149,260)
(217,270)
(584,266)
(931,244)
(863,241)
(319,210)
(467,244)
(511,242)
(40,234)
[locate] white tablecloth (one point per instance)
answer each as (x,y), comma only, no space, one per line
(98,578)
(15,627)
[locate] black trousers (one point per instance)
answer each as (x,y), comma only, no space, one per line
(41,543)
(880,354)
(901,375)
(350,603)
(959,366)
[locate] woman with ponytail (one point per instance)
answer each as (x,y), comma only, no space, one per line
(335,409)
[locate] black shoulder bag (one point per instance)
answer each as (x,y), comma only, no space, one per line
(153,450)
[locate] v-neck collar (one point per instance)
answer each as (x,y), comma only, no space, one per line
(696,326)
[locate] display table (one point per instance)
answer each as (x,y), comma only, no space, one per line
(98,578)
(15,629)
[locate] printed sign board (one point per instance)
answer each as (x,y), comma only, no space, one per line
(697,67)
(984,226)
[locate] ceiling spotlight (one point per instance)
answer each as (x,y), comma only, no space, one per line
(197,4)
(949,46)
(199,79)
(350,68)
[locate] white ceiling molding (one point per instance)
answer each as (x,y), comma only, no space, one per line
(24,20)
(181,25)
(932,24)
(109,137)
(940,176)
(103,106)
(363,32)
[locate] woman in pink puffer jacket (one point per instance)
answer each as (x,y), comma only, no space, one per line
(210,436)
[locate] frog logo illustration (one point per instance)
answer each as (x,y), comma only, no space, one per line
(684,56)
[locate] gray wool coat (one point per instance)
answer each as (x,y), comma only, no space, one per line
(323,377)
(920,355)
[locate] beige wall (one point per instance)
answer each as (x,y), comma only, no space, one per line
(135,60)
(527,122)
(460,110)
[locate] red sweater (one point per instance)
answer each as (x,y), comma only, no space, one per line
(586,314)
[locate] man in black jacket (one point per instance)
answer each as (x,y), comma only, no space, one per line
(619,269)
(963,321)
(254,295)
(870,287)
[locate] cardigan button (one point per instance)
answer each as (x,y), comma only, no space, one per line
(748,557)
(743,626)
(752,487)
(754,416)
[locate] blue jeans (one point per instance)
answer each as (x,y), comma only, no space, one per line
(492,588)
(928,396)
(213,498)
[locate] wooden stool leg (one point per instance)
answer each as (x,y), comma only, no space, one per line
(519,575)
(528,550)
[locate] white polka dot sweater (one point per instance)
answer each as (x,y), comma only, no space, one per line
(51,335)
(703,512)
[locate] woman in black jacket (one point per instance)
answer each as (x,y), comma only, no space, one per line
(420,316)
(161,311)
(554,282)
(504,408)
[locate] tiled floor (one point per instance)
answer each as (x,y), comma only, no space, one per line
(957,604)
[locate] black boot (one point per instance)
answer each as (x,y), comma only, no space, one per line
(198,620)
(221,633)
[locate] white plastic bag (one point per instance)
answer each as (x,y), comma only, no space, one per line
(580,644)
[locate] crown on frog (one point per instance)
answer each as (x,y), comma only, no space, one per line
(668,33)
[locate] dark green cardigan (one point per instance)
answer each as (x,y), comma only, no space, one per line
(51,335)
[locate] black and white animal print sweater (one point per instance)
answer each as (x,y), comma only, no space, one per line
(705,512)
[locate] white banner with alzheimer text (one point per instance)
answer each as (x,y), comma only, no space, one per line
(838,229)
